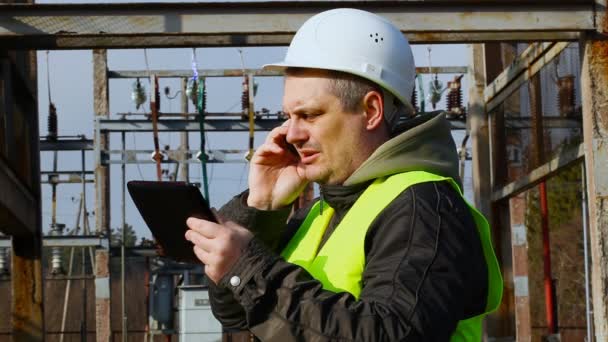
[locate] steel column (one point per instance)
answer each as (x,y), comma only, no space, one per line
(538,152)
(184,169)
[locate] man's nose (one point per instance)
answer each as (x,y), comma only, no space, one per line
(296,134)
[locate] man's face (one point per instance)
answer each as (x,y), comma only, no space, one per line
(327,138)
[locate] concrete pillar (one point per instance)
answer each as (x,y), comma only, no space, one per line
(102,203)
(20,176)
(478,125)
(594,88)
(28,289)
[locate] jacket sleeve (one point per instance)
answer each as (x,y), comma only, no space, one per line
(424,272)
(268,227)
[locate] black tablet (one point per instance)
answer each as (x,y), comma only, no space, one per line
(165,206)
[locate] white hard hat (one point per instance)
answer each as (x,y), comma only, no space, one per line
(355,42)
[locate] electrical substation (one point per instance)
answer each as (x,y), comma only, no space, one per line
(533,128)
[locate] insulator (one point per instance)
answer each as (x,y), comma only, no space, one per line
(56,256)
(245,97)
(565,96)
(4,261)
(203,89)
(449,99)
(156,94)
(138,95)
(458,96)
(256,85)
(52,121)
(454,97)
(191,90)
(435,89)
(414,100)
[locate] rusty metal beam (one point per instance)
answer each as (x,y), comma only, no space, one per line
(594,86)
(254,72)
(42,26)
(173,156)
(66,145)
(213,125)
(65,241)
(177,125)
(532,69)
(79,42)
(519,65)
(543,172)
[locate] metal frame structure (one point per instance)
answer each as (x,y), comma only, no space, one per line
(78,26)
(66,241)
(100,26)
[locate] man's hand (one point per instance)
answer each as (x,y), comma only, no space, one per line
(276,176)
(218,246)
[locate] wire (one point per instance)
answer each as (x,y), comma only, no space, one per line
(147,65)
(48,76)
(232,107)
(149,75)
(242,176)
(242,60)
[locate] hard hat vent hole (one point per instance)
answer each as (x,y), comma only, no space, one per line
(377,37)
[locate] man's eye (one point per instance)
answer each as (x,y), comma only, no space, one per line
(309,116)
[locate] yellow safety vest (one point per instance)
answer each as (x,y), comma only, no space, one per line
(340,263)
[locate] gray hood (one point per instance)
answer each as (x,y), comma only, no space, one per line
(423,143)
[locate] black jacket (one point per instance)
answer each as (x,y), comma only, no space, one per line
(424,272)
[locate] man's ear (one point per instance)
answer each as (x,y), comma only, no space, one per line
(374,110)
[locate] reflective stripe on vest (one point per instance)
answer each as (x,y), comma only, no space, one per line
(340,263)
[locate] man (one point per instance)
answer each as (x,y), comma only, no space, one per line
(391,251)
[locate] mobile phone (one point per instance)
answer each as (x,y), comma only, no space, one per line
(292,149)
(165,207)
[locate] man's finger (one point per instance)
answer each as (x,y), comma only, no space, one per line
(269,149)
(206,228)
(199,240)
(204,256)
(277,132)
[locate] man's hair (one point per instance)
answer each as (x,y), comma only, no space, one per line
(349,88)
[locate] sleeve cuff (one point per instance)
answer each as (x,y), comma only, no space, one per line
(266,225)
(254,260)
